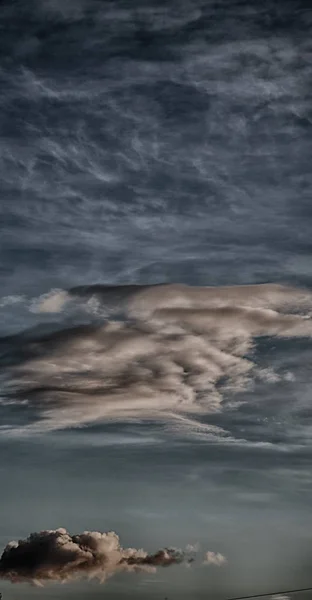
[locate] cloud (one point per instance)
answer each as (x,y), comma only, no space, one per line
(172,356)
(214,558)
(55,555)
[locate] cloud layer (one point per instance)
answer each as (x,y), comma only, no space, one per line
(172,356)
(55,555)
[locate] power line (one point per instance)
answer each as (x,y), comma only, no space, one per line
(309,589)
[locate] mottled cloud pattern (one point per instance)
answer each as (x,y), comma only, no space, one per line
(55,555)
(165,352)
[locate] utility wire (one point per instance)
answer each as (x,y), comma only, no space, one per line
(309,589)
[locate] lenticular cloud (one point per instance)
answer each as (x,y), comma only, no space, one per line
(55,555)
(169,353)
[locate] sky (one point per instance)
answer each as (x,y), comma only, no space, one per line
(155,304)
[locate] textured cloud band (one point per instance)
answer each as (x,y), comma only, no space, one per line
(171,354)
(55,555)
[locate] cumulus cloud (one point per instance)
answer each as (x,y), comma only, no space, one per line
(55,555)
(171,357)
(214,558)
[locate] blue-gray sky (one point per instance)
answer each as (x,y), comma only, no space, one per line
(142,144)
